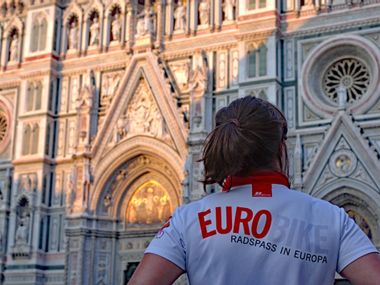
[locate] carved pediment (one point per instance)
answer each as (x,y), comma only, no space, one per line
(142,116)
(344,154)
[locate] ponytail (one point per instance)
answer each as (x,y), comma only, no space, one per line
(249,136)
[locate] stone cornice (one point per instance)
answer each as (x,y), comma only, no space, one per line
(169,55)
(331,28)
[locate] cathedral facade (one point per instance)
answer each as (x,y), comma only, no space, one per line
(105,104)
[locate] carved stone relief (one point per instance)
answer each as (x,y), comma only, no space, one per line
(307,48)
(375,37)
(258,92)
(343,162)
(64,94)
(61,137)
(181,71)
(326,177)
(289,59)
(222,70)
(235,67)
(142,117)
(74,92)
(71,138)
(308,115)
(362,175)
(310,150)
(290,107)
(110,82)
(27,183)
(102,269)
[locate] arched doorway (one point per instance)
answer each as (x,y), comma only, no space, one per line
(139,195)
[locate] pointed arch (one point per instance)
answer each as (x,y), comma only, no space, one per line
(35,139)
(29,96)
(37,95)
(26,140)
(42,34)
(34,38)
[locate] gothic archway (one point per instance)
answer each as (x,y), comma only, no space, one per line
(360,207)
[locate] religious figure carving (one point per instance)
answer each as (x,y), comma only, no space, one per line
(150,204)
(73,35)
(87,91)
(70,195)
(145,22)
(180,17)
(107,201)
(181,71)
(228,9)
(110,82)
(94,31)
(116,28)
(13,48)
(204,12)
(199,76)
(22,230)
(143,116)
(121,128)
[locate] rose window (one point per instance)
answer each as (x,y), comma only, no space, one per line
(350,73)
(3,126)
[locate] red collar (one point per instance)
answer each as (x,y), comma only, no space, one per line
(261,182)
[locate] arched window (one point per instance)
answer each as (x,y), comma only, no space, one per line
(42,34)
(34,96)
(257,61)
(47,142)
(26,140)
(30,97)
(39,33)
(37,95)
(34,38)
(35,138)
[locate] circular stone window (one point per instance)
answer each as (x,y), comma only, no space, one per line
(347,63)
(350,73)
(4,126)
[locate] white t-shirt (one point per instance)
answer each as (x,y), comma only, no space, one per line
(237,238)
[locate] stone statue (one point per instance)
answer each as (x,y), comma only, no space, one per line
(94,31)
(73,36)
(22,231)
(70,195)
(116,28)
(204,12)
(140,27)
(107,201)
(199,76)
(144,116)
(180,17)
(13,48)
(145,22)
(228,9)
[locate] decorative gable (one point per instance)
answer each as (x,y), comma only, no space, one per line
(344,158)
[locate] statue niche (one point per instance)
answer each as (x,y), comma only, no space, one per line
(150,204)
